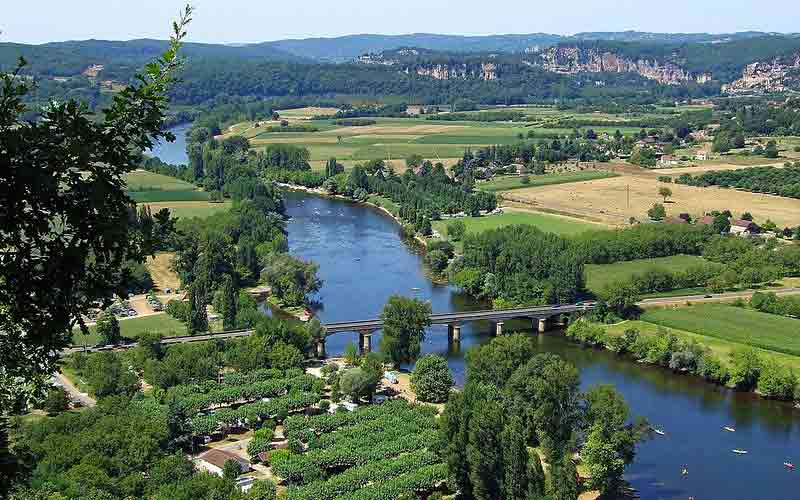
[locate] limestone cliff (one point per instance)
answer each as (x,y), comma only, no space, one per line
(778,75)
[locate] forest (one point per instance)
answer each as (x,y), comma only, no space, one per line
(770,180)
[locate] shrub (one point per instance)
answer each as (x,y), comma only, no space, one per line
(56,401)
(456,230)
(525,180)
(745,368)
(432,379)
(178,310)
(776,381)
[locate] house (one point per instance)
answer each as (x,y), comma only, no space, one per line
(668,160)
(744,228)
(213,461)
(706,220)
(701,156)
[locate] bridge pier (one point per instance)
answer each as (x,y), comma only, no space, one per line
(498,328)
(453,333)
(542,325)
(365,341)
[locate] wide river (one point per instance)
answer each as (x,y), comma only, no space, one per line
(363,260)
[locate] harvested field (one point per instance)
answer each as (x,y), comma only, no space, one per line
(160,268)
(607,200)
(307,112)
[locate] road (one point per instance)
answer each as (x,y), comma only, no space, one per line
(74,393)
(446,318)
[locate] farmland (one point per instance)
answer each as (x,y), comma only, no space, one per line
(160,191)
(545,222)
(515,182)
(615,200)
(599,276)
(189,209)
(733,324)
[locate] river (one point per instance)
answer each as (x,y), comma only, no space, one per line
(363,261)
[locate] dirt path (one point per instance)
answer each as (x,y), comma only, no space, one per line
(73,391)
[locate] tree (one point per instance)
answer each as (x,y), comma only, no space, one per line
(56,401)
(777,382)
(771,151)
(664,192)
(198,316)
(263,489)
(358,383)
(484,449)
(657,212)
(563,479)
(721,223)
(108,330)
(285,356)
(621,297)
(225,304)
(231,470)
(404,322)
(745,368)
(65,236)
(520,478)
(456,230)
(437,260)
(747,216)
(494,363)
(432,379)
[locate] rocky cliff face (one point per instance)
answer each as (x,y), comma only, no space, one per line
(778,75)
(573,59)
(483,71)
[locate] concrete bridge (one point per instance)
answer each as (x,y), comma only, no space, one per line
(541,316)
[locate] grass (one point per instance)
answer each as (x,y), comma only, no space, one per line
(141,180)
(132,328)
(599,276)
(733,324)
(189,209)
(386,203)
(545,222)
(507,183)
(721,348)
(159,196)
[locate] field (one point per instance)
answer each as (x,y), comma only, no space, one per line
(545,222)
(617,199)
(160,269)
(161,196)
(141,180)
(133,327)
(189,209)
(599,276)
(508,183)
(721,347)
(733,324)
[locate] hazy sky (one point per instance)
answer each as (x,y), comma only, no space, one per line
(37,21)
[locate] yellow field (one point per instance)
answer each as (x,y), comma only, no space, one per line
(160,268)
(617,199)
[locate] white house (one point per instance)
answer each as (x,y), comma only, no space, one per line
(213,461)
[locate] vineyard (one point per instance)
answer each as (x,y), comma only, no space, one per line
(245,400)
(342,455)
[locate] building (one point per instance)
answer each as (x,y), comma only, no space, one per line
(701,156)
(706,220)
(213,461)
(668,160)
(744,228)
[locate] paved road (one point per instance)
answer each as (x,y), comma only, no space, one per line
(445,318)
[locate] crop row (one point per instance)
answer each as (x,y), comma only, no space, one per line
(385,425)
(356,478)
(422,480)
(226,395)
(249,414)
(303,428)
(301,469)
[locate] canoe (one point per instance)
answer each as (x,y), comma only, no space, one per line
(729,429)
(740,452)
(659,432)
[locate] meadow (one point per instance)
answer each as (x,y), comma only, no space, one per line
(134,327)
(599,276)
(733,324)
(183,198)
(507,183)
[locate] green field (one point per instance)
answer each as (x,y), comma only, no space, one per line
(545,222)
(734,324)
(141,180)
(599,276)
(189,209)
(507,183)
(159,196)
(721,348)
(132,328)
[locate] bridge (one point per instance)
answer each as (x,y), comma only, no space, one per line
(541,316)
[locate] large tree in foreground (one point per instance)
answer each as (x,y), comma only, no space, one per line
(404,322)
(66,224)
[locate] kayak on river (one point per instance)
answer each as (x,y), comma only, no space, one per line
(729,429)
(740,452)
(788,465)
(659,432)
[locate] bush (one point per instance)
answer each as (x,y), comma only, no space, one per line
(456,230)
(437,261)
(56,401)
(776,381)
(745,369)
(432,379)
(525,180)
(178,310)
(108,328)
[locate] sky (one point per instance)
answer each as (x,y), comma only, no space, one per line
(241,21)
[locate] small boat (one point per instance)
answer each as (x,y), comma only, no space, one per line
(357,259)
(659,432)
(415,289)
(729,429)
(788,465)
(740,452)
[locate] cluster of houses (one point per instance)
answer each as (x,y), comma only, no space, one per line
(739,227)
